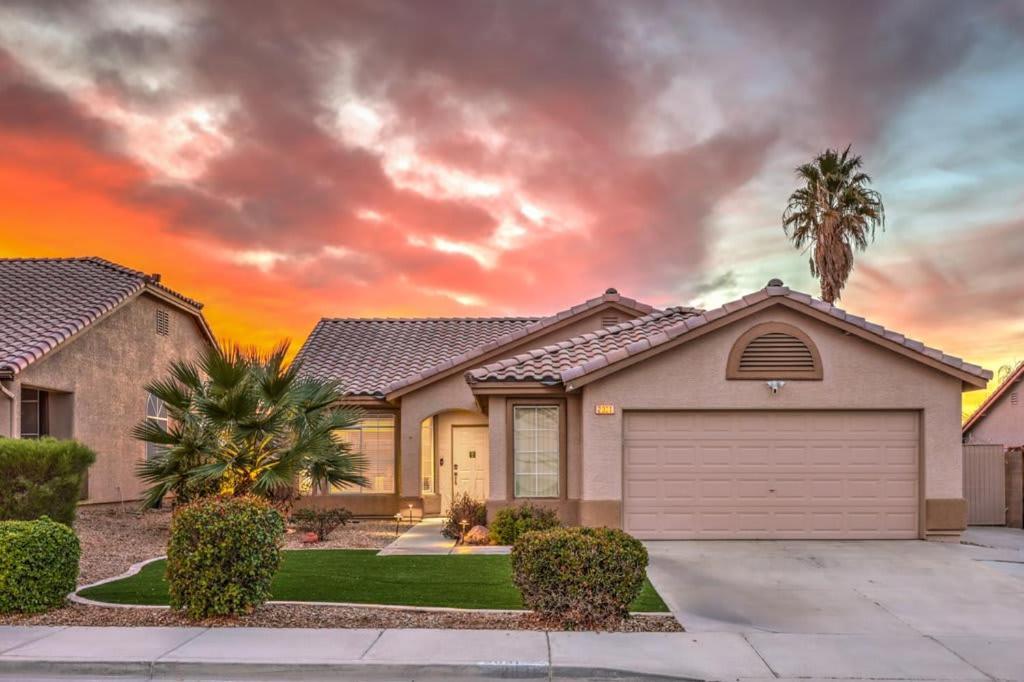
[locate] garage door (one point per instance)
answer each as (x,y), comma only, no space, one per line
(773,475)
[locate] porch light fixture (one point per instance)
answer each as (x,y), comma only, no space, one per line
(775,385)
(604,408)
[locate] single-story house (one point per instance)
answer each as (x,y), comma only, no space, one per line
(79,339)
(999,420)
(773,416)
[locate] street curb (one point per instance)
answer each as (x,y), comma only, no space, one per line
(309,672)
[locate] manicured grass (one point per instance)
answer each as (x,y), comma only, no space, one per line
(360,576)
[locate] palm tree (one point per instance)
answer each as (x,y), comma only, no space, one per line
(243,422)
(833,213)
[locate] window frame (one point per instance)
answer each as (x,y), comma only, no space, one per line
(154,450)
(395,461)
(40,406)
(560,405)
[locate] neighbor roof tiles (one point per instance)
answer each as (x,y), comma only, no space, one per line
(46,301)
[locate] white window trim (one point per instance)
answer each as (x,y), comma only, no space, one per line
(160,417)
(558,453)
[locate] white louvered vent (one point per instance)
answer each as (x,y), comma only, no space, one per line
(163,322)
(776,352)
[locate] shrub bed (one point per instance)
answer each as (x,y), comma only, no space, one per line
(323,522)
(222,555)
(464,508)
(38,565)
(579,577)
(511,522)
(41,477)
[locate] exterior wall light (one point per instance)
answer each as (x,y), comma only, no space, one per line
(775,385)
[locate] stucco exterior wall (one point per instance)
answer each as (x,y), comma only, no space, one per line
(105,369)
(1003,424)
(857,374)
(453,393)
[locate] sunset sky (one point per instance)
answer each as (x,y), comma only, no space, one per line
(283,161)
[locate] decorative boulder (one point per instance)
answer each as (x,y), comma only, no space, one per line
(309,538)
(477,535)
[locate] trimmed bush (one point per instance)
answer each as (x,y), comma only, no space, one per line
(41,477)
(579,577)
(464,508)
(222,555)
(323,522)
(511,522)
(38,565)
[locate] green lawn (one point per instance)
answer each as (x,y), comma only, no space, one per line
(360,576)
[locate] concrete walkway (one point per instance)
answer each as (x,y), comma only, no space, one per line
(321,654)
(425,538)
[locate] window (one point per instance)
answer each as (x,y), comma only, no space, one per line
(163,322)
(536,450)
(374,439)
(156,412)
(774,350)
(35,413)
(427,455)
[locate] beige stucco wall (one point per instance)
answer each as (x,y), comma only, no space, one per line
(857,374)
(105,368)
(453,393)
(1003,424)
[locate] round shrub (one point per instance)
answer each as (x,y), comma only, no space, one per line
(579,577)
(222,555)
(511,522)
(38,565)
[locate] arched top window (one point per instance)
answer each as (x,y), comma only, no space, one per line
(774,350)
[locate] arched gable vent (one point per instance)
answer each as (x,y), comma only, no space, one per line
(774,350)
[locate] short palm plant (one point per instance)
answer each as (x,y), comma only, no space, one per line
(834,212)
(242,422)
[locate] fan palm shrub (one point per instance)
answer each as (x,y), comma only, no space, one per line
(241,422)
(833,213)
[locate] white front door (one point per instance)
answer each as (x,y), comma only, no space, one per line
(469,461)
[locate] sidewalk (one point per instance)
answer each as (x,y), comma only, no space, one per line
(321,654)
(425,538)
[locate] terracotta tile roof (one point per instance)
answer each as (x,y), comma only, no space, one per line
(367,355)
(46,301)
(1013,378)
(575,358)
(535,326)
(602,346)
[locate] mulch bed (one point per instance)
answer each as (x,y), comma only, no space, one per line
(312,616)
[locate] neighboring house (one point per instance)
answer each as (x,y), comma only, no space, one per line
(79,338)
(774,416)
(1000,419)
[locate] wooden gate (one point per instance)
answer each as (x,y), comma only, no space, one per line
(985,485)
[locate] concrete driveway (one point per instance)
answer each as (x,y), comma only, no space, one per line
(886,609)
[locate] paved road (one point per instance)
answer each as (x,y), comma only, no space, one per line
(887,609)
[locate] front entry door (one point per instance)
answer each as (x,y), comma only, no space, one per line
(469,461)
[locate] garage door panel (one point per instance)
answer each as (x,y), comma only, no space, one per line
(774,475)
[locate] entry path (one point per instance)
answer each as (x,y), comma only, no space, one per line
(425,538)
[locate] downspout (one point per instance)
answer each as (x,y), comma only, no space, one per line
(10,396)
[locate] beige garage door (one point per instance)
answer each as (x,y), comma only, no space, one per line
(773,475)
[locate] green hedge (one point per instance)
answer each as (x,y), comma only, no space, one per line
(38,565)
(41,477)
(222,555)
(579,577)
(511,522)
